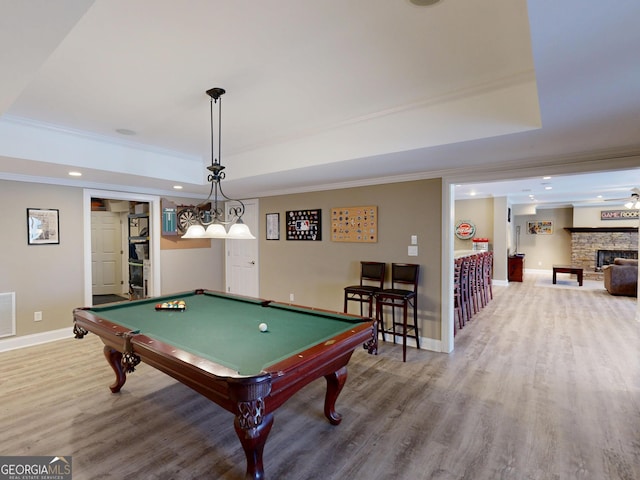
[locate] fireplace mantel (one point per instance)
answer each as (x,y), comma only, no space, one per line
(600,229)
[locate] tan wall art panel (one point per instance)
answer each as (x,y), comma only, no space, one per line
(354,224)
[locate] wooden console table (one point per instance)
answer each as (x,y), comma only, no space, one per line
(515,265)
(567,269)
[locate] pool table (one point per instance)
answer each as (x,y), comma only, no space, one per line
(216,347)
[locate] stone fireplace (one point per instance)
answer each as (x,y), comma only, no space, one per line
(612,242)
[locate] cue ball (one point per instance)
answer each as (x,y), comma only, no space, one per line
(263,327)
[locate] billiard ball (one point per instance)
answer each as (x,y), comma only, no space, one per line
(263,327)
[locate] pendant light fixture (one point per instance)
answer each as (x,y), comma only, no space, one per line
(209,217)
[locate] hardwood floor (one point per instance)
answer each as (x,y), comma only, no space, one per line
(544,384)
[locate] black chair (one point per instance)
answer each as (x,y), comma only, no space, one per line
(402,274)
(371,281)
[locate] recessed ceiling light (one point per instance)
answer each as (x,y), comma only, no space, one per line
(125,131)
(424,3)
(546,178)
(177,187)
(75,174)
(473,194)
(599,196)
(548,188)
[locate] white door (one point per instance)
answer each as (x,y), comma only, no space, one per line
(242,269)
(106,253)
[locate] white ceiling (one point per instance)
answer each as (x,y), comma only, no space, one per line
(324,94)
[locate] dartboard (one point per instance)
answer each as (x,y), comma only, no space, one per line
(186,218)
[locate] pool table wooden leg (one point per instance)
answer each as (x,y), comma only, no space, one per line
(114,358)
(253,440)
(335,382)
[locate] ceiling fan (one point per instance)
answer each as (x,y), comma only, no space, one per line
(633,201)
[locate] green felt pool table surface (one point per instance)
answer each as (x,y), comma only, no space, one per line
(225,328)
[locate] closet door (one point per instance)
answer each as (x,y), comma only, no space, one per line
(106,253)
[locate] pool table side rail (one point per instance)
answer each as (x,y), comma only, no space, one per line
(321,312)
(178,296)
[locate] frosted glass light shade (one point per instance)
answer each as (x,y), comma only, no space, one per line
(194,231)
(216,230)
(240,231)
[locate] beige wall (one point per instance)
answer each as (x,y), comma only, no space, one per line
(480,213)
(543,251)
(46,278)
(193,268)
(317,272)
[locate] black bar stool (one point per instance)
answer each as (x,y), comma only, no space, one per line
(465,289)
(460,310)
(488,273)
(402,274)
(371,281)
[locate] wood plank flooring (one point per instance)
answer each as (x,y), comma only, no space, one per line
(544,384)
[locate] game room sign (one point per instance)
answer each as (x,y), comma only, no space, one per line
(619,214)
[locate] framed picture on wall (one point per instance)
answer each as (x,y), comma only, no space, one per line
(304,225)
(544,227)
(354,224)
(43,226)
(273,226)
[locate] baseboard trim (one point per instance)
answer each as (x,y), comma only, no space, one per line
(430,344)
(538,271)
(23,341)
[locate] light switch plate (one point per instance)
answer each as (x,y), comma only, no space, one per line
(412,251)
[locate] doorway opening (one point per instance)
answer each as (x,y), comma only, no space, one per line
(121,246)
(120,264)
